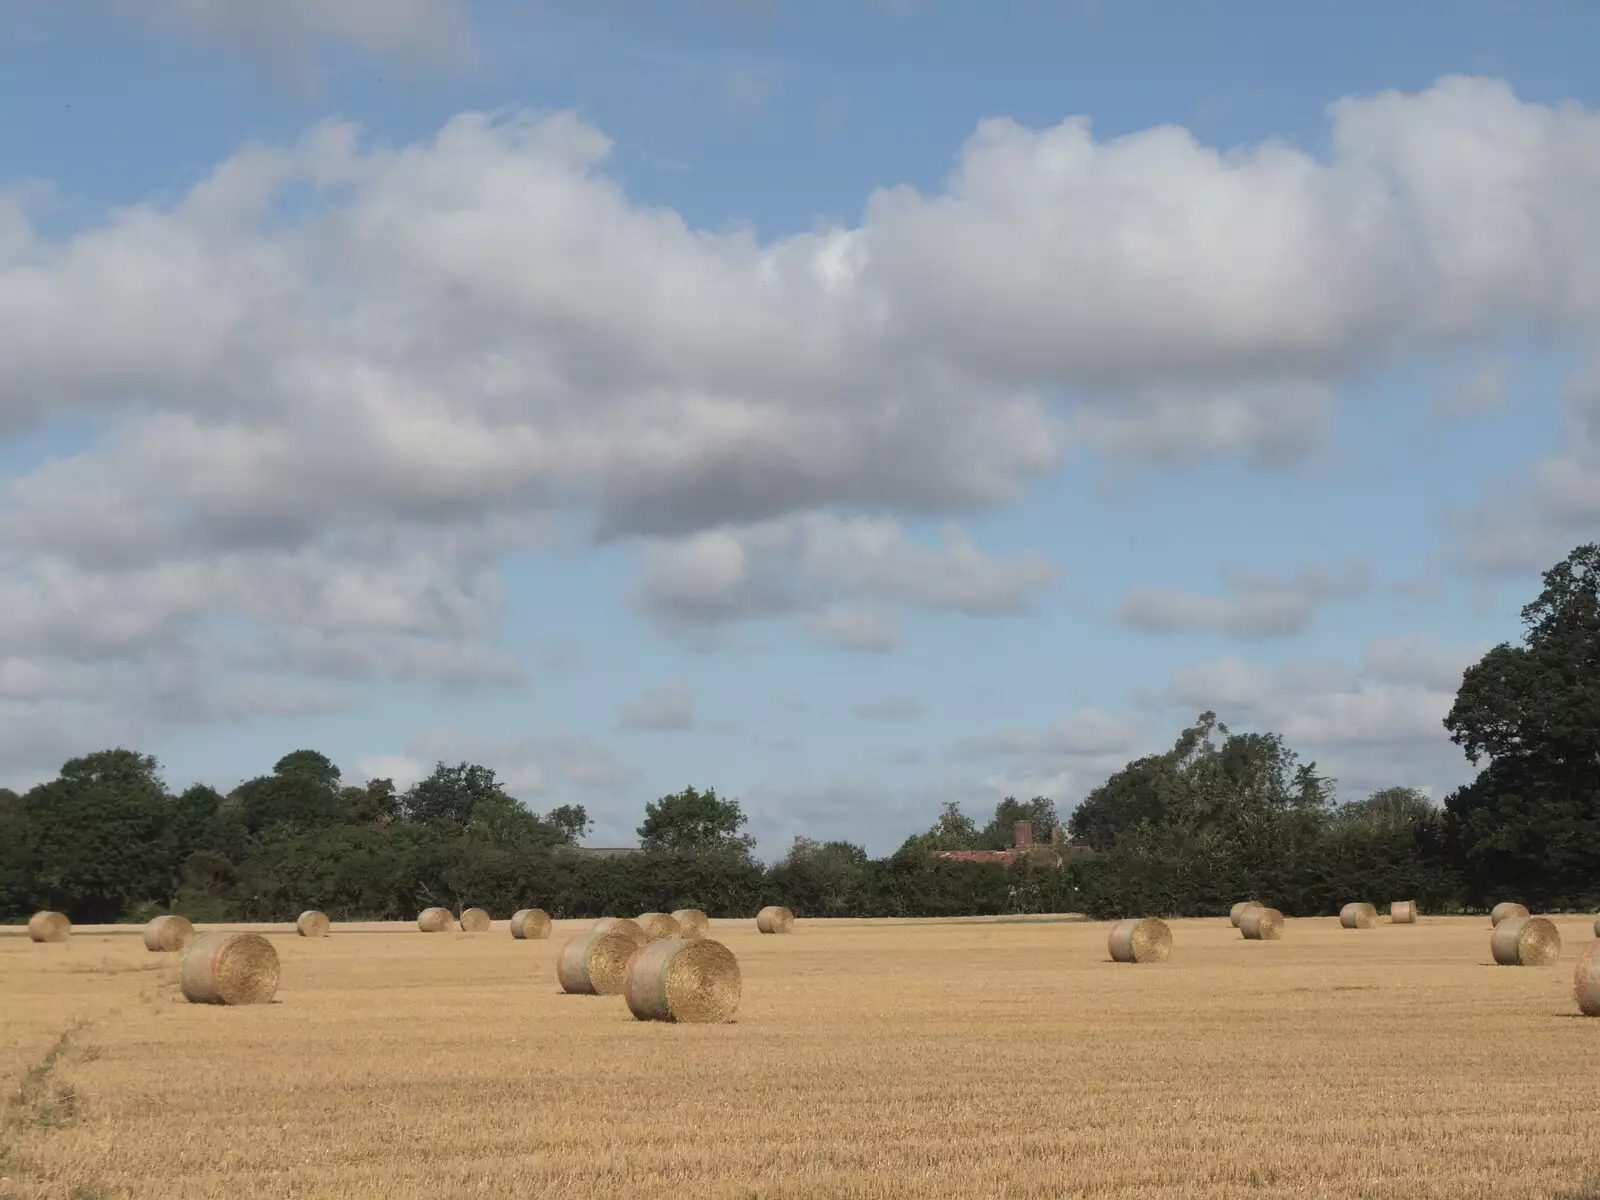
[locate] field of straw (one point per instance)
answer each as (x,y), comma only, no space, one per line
(867,1058)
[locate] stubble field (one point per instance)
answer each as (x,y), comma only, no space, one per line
(868,1059)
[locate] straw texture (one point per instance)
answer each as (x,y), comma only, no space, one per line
(692,921)
(49,926)
(1140,941)
(1403,912)
(1261,924)
(312,924)
(775,919)
(1525,942)
(530,924)
(1236,913)
(1505,910)
(685,980)
(1358,916)
(435,920)
(595,964)
(229,968)
(1586,981)
(474,920)
(168,933)
(625,925)
(658,926)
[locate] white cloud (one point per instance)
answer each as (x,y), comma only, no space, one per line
(1256,606)
(856,627)
(1063,761)
(669,706)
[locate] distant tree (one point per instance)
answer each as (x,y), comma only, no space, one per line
(1392,808)
(1000,833)
(571,822)
(16,871)
(375,803)
(821,879)
(302,792)
(694,821)
(448,796)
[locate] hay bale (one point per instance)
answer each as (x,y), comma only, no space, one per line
(1141,941)
(49,926)
(657,926)
(1358,916)
(1586,982)
(168,933)
(1597,927)
(775,919)
(683,979)
(229,968)
(1403,912)
(1261,924)
(692,921)
(594,964)
(1525,942)
(474,920)
(311,923)
(530,924)
(1236,913)
(624,925)
(435,920)
(1506,910)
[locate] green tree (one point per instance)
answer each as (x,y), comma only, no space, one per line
(375,803)
(302,792)
(694,821)
(1000,833)
(16,871)
(571,822)
(448,796)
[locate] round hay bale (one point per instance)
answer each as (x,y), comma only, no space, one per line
(621,925)
(690,980)
(1525,942)
(658,926)
(1261,924)
(695,924)
(229,968)
(312,923)
(775,919)
(1597,927)
(1586,982)
(1403,912)
(49,926)
(168,933)
(435,920)
(474,920)
(530,924)
(1358,916)
(594,964)
(1504,910)
(1236,913)
(1141,941)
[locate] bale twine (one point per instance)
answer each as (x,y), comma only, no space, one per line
(624,925)
(1403,912)
(695,924)
(530,924)
(1586,983)
(594,964)
(1358,916)
(683,979)
(775,919)
(1236,913)
(474,920)
(1506,909)
(311,923)
(435,920)
(229,968)
(1525,942)
(1141,941)
(1261,924)
(49,926)
(657,926)
(168,933)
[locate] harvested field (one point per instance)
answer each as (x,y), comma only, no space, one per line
(341,1086)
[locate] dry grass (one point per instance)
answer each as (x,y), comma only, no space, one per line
(867,1059)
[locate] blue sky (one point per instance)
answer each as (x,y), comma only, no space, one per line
(852,407)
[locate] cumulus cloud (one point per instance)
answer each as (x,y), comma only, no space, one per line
(1064,760)
(669,706)
(1255,606)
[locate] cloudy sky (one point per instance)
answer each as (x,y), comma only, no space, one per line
(848,405)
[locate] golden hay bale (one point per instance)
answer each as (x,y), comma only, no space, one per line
(168,933)
(621,925)
(1504,910)
(658,926)
(1140,941)
(1403,912)
(311,923)
(530,924)
(1525,942)
(1586,982)
(594,964)
(1597,927)
(435,920)
(1358,916)
(229,968)
(683,979)
(49,926)
(474,920)
(692,921)
(775,919)
(1261,924)
(1236,913)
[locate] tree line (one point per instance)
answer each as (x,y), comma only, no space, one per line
(1219,816)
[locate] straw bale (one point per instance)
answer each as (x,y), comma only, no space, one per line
(1261,924)
(168,933)
(530,924)
(1586,982)
(474,920)
(312,924)
(1403,912)
(1525,942)
(435,920)
(1141,941)
(775,919)
(683,979)
(229,968)
(692,921)
(1358,916)
(1506,909)
(657,926)
(626,925)
(1236,913)
(1597,927)
(49,926)
(594,964)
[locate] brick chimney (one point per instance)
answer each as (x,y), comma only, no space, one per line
(1055,835)
(1024,834)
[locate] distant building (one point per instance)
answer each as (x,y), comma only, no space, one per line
(1023,846)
